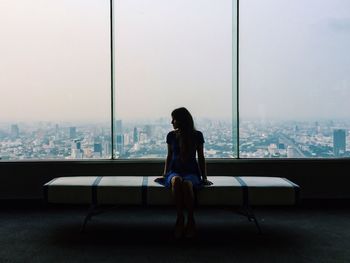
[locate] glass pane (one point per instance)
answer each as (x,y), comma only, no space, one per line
(172,54)
(294,78)
(55,79)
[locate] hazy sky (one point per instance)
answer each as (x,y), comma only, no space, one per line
(294,59)
(173,53)
(54,60)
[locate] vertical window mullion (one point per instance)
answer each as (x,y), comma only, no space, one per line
(237,76)
(111,14)
(235,79)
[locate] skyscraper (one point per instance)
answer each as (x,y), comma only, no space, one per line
(120,144)
(107,149)
(149,130)
(136,136)
(77,152)
(76,145)
(72,132)
(339,142)
(97,149)
(14,131)
(118,127)
(57,130)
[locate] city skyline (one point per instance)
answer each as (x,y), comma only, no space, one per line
(317,139)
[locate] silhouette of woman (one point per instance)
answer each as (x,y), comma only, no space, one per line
(182,172)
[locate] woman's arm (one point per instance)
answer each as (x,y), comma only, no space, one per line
(202,164)
(169,156)
(168,160)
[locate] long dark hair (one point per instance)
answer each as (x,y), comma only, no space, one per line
(185,132)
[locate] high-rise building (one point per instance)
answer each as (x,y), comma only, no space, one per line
(57,131)
(14,131)
(136,135)
(142,137)
(339,142)
(72,132)
(118,127)
(76,144)
(97,149)
(107,149)
(77,152)
(120,144)
(149,130)
(126,139)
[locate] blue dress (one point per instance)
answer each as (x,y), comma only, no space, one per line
(188,170)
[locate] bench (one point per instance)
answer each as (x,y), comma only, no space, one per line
(241,191)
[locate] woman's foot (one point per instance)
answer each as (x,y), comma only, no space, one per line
(179,227)
(190,229)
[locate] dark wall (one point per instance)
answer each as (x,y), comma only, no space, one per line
(317,178)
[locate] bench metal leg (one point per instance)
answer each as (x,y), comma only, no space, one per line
(249,213)
(258,226)
(246,211)
(91,212)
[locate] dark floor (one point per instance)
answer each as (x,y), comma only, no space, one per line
(299,234)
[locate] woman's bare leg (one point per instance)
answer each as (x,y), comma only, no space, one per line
(176,187)
(187,188)
(188,194)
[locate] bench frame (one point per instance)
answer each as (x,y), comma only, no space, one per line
(245,208)
(95,209)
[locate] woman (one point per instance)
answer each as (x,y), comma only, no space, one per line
(182,173)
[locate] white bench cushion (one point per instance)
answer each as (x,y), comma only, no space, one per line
(136,190)
(226,190)
(270,191)
(120,190)
(70,190)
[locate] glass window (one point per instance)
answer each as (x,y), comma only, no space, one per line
(294,78)
(170,54)
(54,79)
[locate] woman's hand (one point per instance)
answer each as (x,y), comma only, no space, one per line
(160,180)
(206,182)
